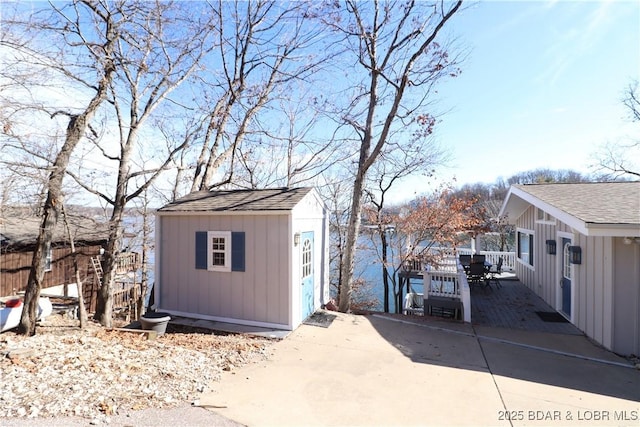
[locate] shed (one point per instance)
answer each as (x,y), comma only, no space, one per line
(578,247)
(251,257)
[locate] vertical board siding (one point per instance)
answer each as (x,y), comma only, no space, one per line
(598,288)
(15,266)
(595,295)
(626,300)
(257,294)
(247,296)
(580,286)
(278,291)
(524,273)
(609,292)
(259,300)
(546,264)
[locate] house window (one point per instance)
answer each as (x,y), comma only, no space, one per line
(566,262)
(525,246)
(220,251)
(48,259)
(544,217)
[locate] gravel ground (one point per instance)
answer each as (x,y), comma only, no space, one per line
(72,377)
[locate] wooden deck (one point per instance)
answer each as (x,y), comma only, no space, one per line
(514,306)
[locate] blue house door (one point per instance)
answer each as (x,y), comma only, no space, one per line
(566,278)
(307,274)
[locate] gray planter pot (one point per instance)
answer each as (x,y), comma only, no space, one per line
(155,322)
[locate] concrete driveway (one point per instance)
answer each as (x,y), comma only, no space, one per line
(377,370)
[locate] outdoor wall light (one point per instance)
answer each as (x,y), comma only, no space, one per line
(296,239)
(551,247)
(575,255)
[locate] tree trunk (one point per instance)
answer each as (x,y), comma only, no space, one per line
(51,211)
(83,317)
(104,303)
(75,131)
(353,231)
(82,310)
(385,275)
(29,315)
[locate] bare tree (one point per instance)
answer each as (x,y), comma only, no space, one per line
(397,162)
(632,101)
(335,193)
(93,44)
(82,309)
(263,46)
(157,53)
(293,152)
(619,160)
(394,45)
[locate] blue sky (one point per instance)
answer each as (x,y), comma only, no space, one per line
(541,88)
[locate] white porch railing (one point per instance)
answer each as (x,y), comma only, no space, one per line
(448,281)
(508,258)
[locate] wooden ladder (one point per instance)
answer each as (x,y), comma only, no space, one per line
(97,269)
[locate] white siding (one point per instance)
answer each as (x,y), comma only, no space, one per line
(626,304)
(309,215)
(524,272)
(606,285)
(594,288)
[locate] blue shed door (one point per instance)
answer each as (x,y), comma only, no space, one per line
(307,274)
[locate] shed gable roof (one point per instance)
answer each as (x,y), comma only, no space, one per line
(584,206)
(280,199)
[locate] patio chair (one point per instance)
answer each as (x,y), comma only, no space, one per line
(493,274)
(465,260)
(477,275)
(414,303)
(478,259)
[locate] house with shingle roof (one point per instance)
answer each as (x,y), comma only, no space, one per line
(250,257)
(19,229)
(578,247)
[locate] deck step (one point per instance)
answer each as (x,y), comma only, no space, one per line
(444,307)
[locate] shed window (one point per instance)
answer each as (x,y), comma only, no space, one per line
(220,251)
(525,247)
(306,258)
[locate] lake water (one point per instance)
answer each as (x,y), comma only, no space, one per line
(369,268)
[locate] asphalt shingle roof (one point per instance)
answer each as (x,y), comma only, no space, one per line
(22,231)
(595,202)
(238,200)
